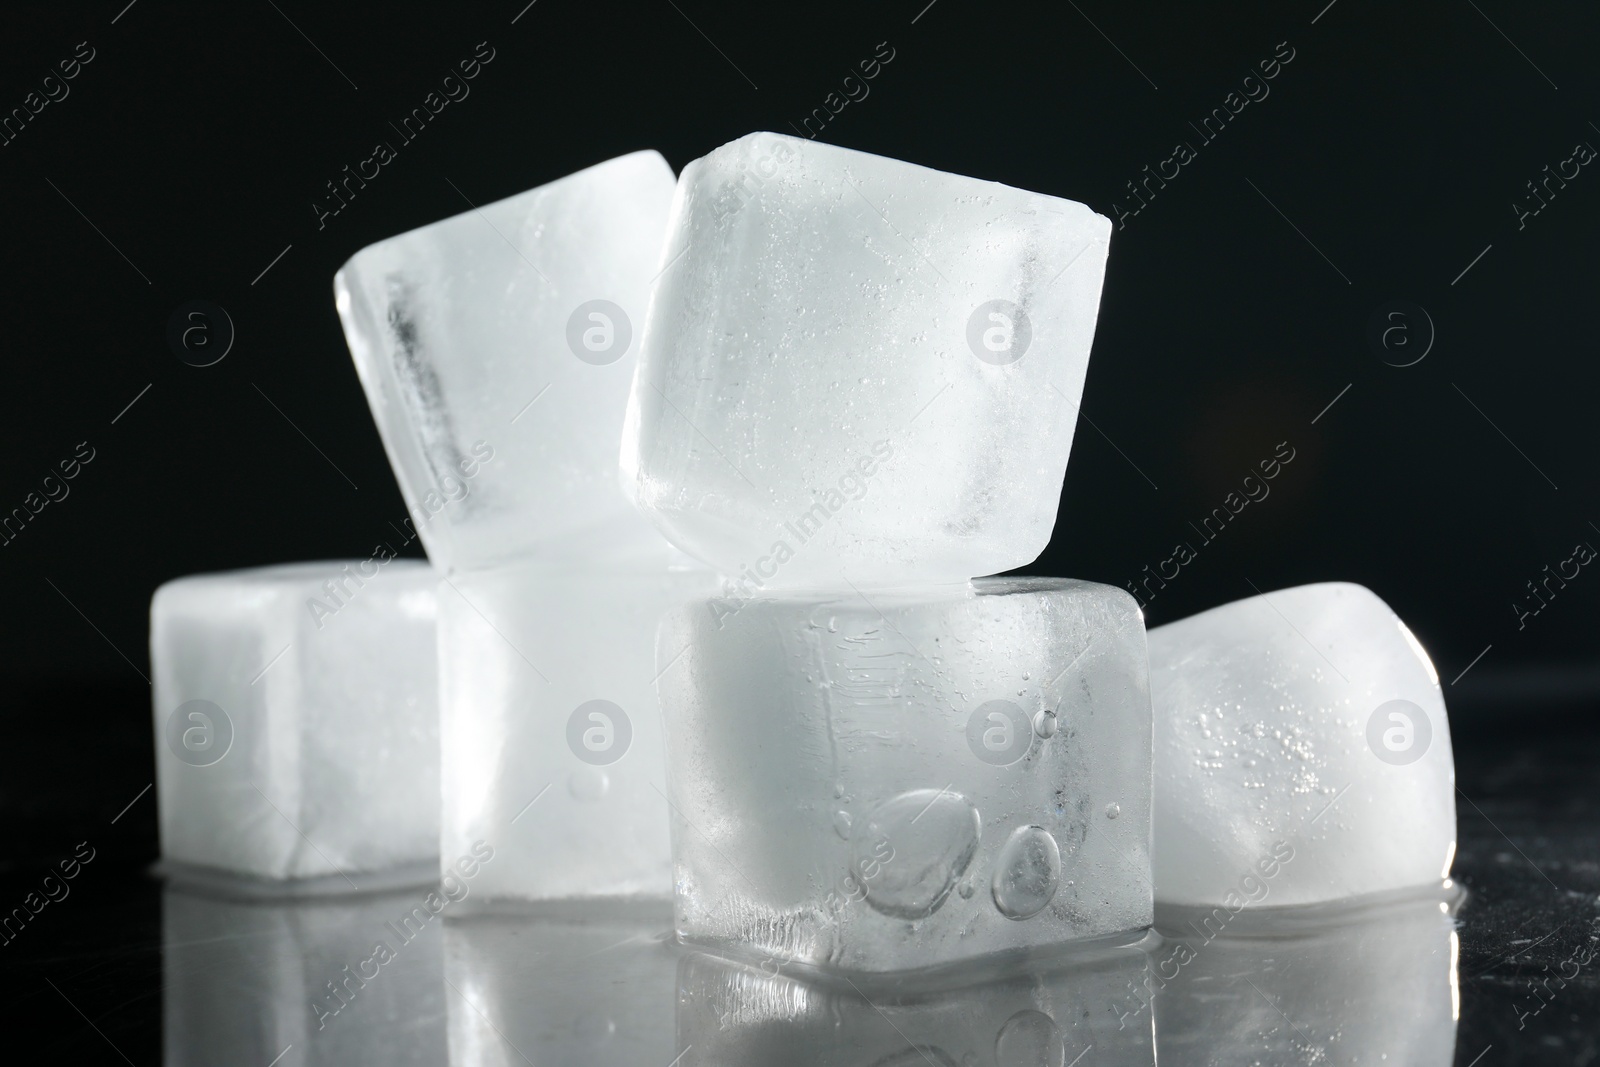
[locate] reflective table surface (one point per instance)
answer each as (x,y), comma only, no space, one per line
(121,967)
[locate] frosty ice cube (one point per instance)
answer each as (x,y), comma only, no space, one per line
(496,349)
(902,780)
(296,720)
(857,368)
(551,727)
(1308,720)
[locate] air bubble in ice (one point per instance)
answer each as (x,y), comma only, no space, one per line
(1027,872)
(910,851)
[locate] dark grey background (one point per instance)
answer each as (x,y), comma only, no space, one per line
(1385,160)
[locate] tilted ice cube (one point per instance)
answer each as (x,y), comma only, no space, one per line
(1309,718)
(859,368)
(496,350)
(897,781)
(1374,983)
(1050,1015)
(551,727)
(296,719)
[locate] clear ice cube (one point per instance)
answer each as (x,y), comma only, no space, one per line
(496,350)
(860,370)
(1309,719)
(903,780)
(296,719)
(551,727)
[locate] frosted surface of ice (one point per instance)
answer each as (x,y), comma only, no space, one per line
(296,718)
(1309,720)
(896,781)
(857,368)
(496,350)
(551,728)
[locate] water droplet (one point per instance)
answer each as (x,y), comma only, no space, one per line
(910,850)
(838,790)
(965,889)
(1026,675)
(1029,1039)
(1044,724)
(841,824)
(1027,872)
(588,784)
(1113,810)
(833,625)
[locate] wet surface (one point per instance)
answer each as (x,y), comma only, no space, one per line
(124,970)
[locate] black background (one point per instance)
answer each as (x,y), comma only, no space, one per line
(1391,148)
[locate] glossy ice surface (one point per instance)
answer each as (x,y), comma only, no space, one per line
(593,987)
(551,729)
(296,718)
(895,781)
(1307,721)
(1375,984)
(496,350)
(858,369)
(735,1014)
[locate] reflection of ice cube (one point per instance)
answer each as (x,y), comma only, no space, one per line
(734,1015)
(1374,983)
(1309,718)
(296,719)
(244,980)
(873,363)
(590,985)
(900,781)
(551,728)
(496,349)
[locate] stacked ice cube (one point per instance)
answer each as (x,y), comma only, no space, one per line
(496,350)
(852,396)
(857,391)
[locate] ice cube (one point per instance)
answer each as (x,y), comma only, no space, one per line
(296,719)
(1346,985)
(857,368)
(496,350)
(592,986)
(244,980)
(1308,720)
(551,728)
(1051,1015)
(903,780)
